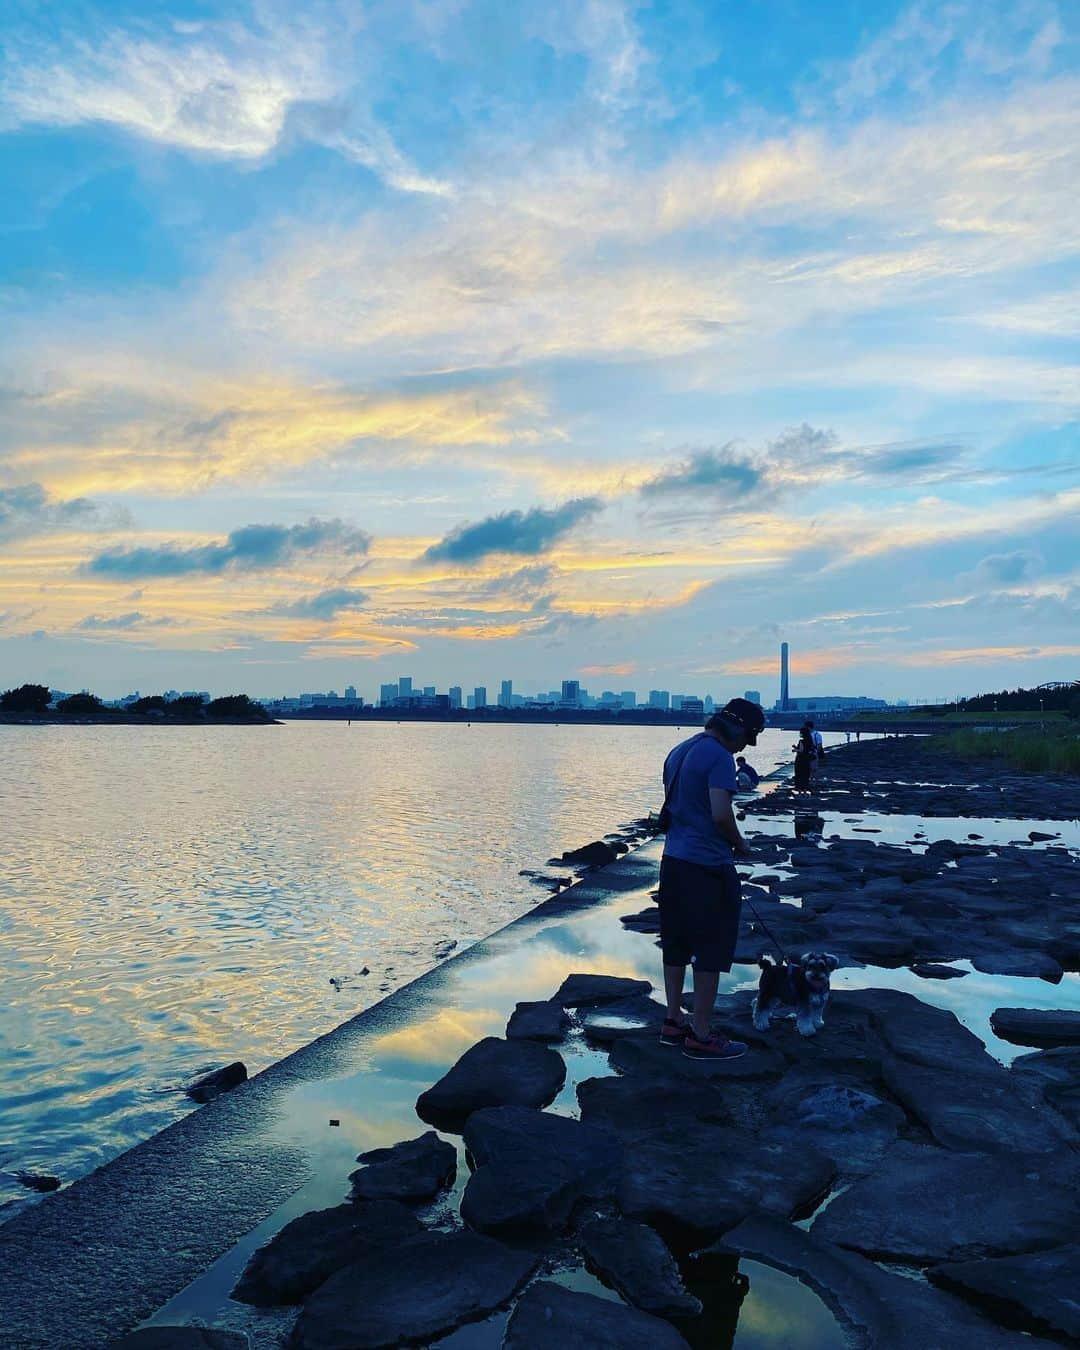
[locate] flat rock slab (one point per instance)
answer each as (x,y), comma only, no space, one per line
(533,1168)
(635,1261)
(585,991)
(1034,1292)
(609,1022)
(543,1021)
(919,1032)
(411,1172)
(181,1338)
(634,1106)
(493,1073)
(411,1293)
(551,1317)
(314,1246)
(1032,965)
(642,1053)
(836,1116)
(1036,1026)
(927,1206)
(883,1311)
(932,970)
(974,1111)
(699,1180)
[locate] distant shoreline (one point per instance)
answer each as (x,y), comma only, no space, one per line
(125,719)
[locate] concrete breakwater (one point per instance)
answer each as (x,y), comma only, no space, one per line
(894,1132)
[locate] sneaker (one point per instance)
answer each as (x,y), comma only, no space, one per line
(674,1033)
(715,1047)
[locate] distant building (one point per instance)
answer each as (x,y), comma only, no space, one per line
(659,698)
(571,694)
(783,704)
(454,696)
(429,691)
(753,696)
(387,694)
(710,705)
(506,694)
(350,693)
(480,696)
(404,686)
(831,703)
(692,706)
(628,698)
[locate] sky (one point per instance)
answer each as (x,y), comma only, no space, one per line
(475,340)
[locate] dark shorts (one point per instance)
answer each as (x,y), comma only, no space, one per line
(699,914)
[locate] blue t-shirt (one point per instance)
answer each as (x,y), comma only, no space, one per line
(693,835)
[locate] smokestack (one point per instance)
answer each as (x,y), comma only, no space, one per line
(783,677)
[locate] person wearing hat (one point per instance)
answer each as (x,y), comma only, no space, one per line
(700,898)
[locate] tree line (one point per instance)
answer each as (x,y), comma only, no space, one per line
(36,700)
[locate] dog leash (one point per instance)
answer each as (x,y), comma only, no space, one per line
(765,928)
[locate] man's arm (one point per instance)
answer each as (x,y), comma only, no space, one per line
(723,814)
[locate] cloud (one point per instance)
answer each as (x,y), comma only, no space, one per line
(252,548)
(726,473)
(324,606)
(94,623)
(530,532)
(1008,568)
(29,509)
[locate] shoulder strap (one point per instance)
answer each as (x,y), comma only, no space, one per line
(678,768)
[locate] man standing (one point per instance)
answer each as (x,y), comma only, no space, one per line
(700,897)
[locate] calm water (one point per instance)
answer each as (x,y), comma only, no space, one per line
(174,898)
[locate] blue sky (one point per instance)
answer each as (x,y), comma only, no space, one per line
(596,339)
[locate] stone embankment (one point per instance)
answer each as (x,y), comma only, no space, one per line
(890,1139)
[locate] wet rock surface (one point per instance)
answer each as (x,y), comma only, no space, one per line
(532,1168)
(311,1248)
(1034,1292)
(552,1317)
(928,1205)
(1036,1026)
(410,1172)
(212,1085)
(541,1021)
(635,1260)
(413,1292)
(493,1073)
(181,1338)
(584,991)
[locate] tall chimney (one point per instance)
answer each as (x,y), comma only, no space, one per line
(783,677)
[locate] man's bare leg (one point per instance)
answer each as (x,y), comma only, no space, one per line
(706,983)
(674,979)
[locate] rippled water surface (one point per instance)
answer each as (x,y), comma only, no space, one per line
(172,898)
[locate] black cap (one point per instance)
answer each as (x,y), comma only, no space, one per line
(745,716)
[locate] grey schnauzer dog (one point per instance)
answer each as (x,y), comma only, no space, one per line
(798,989)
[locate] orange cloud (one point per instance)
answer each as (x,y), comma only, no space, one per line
(621,668)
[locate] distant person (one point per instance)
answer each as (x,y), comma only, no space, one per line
(700,899)
(746,776)
(805,750)
(819,744)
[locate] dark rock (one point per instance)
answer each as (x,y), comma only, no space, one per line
(181,1338)
(1052,1076)
(543,1021)
(608,1022)
(1040,836)
(1036,1026)
(492,1073)
(926,1205)
(212,1085)
(1034,965)
(582,991)
(921,1033)
(595,854)
(697,1181)
(634,1106)
(837,1116)
(411,1172)
(532,1168)
(641,1052)
(644,921)
(973,1111)
(311,1248)
(38,1181)
(635,1261)
(930,970)
(413,1292)
(1034,1292)
(551,1317)
(880,1310)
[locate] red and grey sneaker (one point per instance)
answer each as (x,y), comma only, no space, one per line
(714,1047)
(674,1033)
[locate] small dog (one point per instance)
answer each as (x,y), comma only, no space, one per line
(798,989)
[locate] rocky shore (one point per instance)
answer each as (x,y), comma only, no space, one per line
(923,1190)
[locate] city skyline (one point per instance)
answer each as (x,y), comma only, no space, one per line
(595,340)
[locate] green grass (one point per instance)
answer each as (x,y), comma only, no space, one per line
(1058,751)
